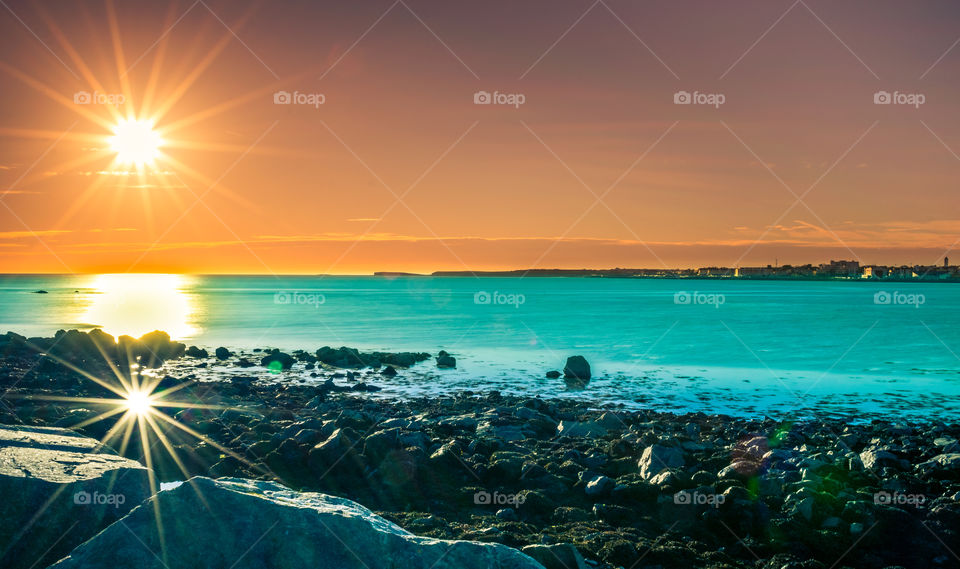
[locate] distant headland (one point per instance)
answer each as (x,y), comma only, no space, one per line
(834,270)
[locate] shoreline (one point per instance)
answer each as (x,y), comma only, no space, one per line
(623,486)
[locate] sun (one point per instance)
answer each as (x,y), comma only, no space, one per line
(138,402)
(136,142)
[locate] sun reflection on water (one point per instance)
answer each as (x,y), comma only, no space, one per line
(135,304)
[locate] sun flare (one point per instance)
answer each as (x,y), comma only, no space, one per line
(136,142)
(138,402)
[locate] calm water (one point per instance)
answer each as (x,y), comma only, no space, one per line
(742,347)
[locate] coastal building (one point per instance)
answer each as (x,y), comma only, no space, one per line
(840,269)
(715,272)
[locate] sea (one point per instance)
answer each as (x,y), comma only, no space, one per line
(855,349)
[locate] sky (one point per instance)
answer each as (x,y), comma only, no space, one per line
(422,135)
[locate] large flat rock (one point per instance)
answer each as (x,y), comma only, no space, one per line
(232,523)
(58,489)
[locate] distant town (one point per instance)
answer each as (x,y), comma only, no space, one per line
(834,270)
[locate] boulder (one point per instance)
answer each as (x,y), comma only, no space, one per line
(277,360)
(445,360)
(222,353)
(247,524)
(562,556)
(553,374)
(657,458)
(878,459)
(588,429)
(195,352)
(577,370)
(58,489)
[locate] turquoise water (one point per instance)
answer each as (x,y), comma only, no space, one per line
(705,344)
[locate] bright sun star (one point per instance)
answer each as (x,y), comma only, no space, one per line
(138,402)
(136,142)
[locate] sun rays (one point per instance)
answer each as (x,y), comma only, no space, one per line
(133,129)
(136,403)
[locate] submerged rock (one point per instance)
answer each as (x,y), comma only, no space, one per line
(247,524)
(57,490)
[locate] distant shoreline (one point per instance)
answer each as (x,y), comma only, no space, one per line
(679,274)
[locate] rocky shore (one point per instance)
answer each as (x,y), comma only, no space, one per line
(555,478)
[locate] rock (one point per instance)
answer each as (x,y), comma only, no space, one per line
(878,459)
(59,489)
(587,429)
(246,524)
(389,371)
(553,374)
(195,352)
(445,360)
(600,486)
(577,370)
(563,556)
(277,360)
(657,458)
(222,353)
(945,465)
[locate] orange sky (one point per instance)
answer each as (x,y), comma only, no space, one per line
(399,170)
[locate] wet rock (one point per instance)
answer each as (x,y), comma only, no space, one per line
(389,371)
(272,526)
(577,370)
(59,489)
(445,360)
(195,352)
(277,360)
(553,374)
(222,353)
